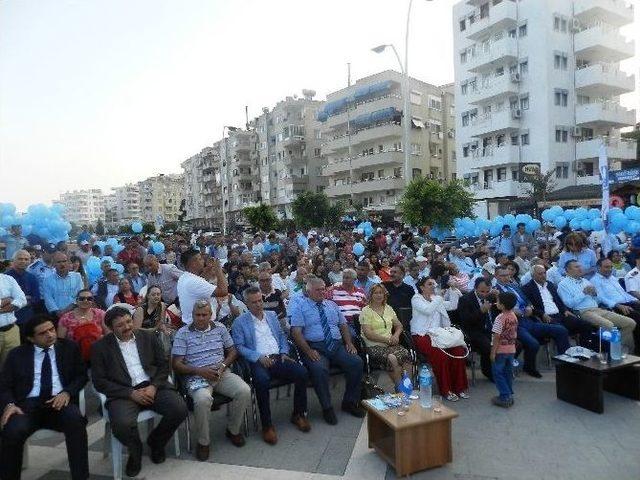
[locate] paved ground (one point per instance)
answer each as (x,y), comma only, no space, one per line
(539,438)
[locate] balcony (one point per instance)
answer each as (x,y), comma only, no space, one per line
(617,149)
(602,43)
(243,146)
(603,80)
(375,185)
(366,135)
(495,122)
(588,180)
(494,156)
(495,189)
(604,115)
(368,106)
(500,17)
(493,89)
(364,161)
(498,53)
(613,12)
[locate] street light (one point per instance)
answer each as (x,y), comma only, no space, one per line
(224,142)
(404,69)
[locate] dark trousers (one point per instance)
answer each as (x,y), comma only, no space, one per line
(282,370)
(481,343)
(123,415)
(37,416)
(503,375)
(635,315)
(350,364)
(575,325)
(531,333)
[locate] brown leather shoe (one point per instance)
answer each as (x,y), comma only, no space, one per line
(269,435)
(202,452)
(301,422)
(237,439)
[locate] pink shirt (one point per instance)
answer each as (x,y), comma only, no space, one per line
(70,322)
(506,326)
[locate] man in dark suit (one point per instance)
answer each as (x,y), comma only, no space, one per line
(474,314)
(131,370)
(549,307)
(39,388)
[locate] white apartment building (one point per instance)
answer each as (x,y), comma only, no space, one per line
(289,153)
(202,188)
(160,198)
(365,162)
(83,207)
(127,204)
(538,81)
(111,212)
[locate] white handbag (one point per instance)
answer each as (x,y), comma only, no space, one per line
(448,337)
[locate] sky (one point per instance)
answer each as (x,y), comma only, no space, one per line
(98,93)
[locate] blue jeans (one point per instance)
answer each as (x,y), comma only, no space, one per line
(350,364)
(531,332)
(502,369)
(282,370)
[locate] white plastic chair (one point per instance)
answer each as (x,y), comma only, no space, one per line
(116,447)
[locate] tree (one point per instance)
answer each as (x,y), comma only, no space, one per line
(261,217)
(100,227)
(149,228)
(310,209)
(433,202)
(539,187)
(334,215)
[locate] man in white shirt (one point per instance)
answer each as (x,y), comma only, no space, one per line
(12,298)
(522,259)
(260,339)
(192,286)
(632,280)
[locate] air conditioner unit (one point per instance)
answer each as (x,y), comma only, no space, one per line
(516,113)
(575,25)
(440,135)
(576,132)
(515,77)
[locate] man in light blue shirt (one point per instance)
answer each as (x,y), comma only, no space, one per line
(459,259)
(61,288)
(504,243)
(362,276)
(579,294)
(576,249)
(13,242)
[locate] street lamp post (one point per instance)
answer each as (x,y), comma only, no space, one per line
(224,158)
(406,114)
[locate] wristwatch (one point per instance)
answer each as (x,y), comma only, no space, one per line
(224,365)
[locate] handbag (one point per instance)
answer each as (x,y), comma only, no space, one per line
(448,337)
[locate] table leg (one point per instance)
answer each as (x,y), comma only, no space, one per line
(624,382)
(579,387)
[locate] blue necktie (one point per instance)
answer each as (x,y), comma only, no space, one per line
(326,330)
(46,384)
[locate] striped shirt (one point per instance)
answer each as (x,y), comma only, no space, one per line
(202,348)
(349,303)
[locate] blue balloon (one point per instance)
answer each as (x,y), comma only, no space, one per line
(358,249)
(569,214)
(575,223)
(594,213)
(119,267)
(585,224)
(158,248)
(93,266)
(136,227)
(582,213)
(533,225)
(597,224)
(559,221)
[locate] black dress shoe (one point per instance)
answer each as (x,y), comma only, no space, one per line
(158,454)
(134,463)
(353,409)
(330,416)
(533,373)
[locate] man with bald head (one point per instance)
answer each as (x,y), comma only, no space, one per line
(61,288)
(27,282)
(549,307)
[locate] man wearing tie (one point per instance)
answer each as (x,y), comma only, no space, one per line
(319,329)
(39,387)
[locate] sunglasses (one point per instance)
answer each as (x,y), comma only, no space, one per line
(87,299)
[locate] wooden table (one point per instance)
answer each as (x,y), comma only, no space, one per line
(418,440)
(582,383)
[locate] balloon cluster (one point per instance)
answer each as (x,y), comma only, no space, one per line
(577,219)
(47,223)
(365,228)
(468,227)
(627,221)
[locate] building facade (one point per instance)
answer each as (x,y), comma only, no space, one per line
(160,198)
(84,207)
(127,204)
(362,139)
(538,83)
(202,189)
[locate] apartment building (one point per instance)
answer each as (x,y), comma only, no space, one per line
(127,204)
(110,212)
(289,151)
(202,188)
(160,198)
(362,136)
(84,207)
(537,85)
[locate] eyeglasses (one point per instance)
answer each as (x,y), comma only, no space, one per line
(85,299)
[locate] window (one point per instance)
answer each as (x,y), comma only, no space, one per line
(562,171)
(514,140)
(502,174)
(500,139)
(465,151)
(380,173)
(563,25)
(464,88)
(514,175)
(316,152)
(484,10)
(522,30)
(512,33)
(524,67)
(380,148)
(463,25)
(560,98)
(397,172)
(560,61)
(524,103)
(435,103)
(524,139)
(416,149)
(465,119)
(416,98)
(499,71)
(556,23)
(562,135)
(463,57)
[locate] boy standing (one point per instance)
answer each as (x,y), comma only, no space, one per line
(503,349)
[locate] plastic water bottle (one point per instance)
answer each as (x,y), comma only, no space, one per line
(615,345)
(405,386)
(426,380)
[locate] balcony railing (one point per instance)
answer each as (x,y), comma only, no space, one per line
(602,42)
